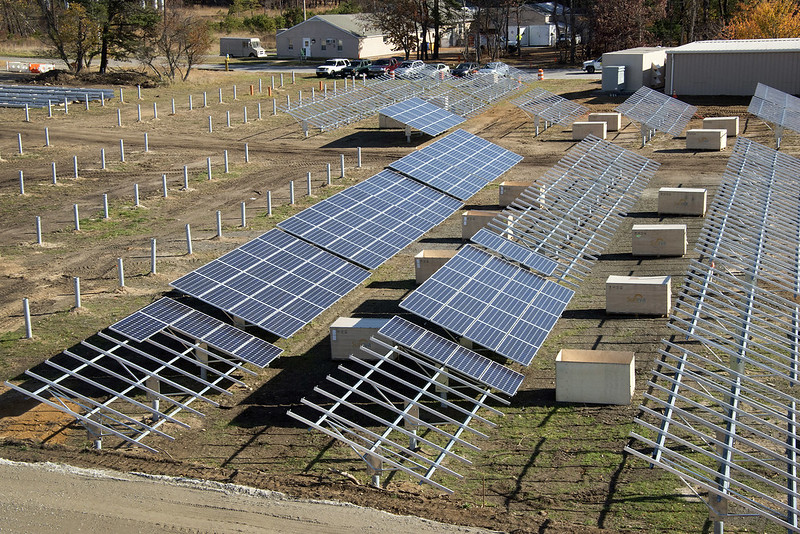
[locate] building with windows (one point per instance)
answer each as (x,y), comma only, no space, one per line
(327,36)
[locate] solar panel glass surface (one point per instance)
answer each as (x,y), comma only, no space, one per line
(424,116)
(275,281)
(452,355)
(460,164)
(492,302)
(514,251)
(370,222)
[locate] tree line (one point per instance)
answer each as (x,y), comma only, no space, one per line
(170,39)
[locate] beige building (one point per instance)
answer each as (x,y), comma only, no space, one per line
(327,36)
(644,66)
(733,67)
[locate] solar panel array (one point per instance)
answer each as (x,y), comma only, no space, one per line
(721,409)
(465,97)
(542,104)
(168,313)
(492,302)
(460,164)
(423,116)
(157,352)
(777,107)
(18,96)
(573,211)
(370,222)
(452,355)
(275,281)
(657,111)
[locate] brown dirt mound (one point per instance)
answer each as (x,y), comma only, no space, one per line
(116,77)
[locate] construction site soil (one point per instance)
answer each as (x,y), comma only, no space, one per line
(547,467)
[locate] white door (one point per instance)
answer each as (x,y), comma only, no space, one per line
(307,46)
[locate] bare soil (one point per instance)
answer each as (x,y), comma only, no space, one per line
(548,467)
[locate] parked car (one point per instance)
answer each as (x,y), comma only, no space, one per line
(383,66)
(357,67)
(409,68)
(463,69)
(332,67)
(593,65)
(438,69)
(496,67)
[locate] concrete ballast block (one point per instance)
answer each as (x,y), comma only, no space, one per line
(729,124)
(658,240)
(706,139)
(613,120)
(428,262)
(583,129)
(349,333)
(510,191)
(595,376)
(638,295)
(474,220)
(682,201)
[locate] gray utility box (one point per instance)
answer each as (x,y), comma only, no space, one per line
(613,78)
(349,333)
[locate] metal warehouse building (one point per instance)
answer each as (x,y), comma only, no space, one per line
(733,67)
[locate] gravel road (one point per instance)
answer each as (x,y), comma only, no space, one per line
(50,497)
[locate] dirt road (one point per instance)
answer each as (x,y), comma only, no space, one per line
(50,497)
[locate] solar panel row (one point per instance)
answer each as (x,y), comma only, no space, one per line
(370,222)
(452,355)
(34,96)
(423,116)
(167,313)
(275,281)
(460,164)
(491,302)
(506,247)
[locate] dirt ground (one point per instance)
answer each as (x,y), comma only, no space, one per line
(547,468)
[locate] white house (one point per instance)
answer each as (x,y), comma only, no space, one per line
(325,36)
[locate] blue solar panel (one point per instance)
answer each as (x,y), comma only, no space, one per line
(492,302)
(423,116)
(370,222)
(452,355)
(168,313)
(275,281)
(514,251)
(460,164)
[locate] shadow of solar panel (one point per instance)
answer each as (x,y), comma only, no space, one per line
(370,222)
(657,111)
(452,355)
(275,281)
(775,106)
(491,302)
(167,313)
(550,107)
(460,164)
(423,116)
(513,251)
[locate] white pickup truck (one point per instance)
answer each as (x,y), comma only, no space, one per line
(332,67)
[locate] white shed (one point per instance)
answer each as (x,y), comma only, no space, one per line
(326,36)
(733,67)
(639,66)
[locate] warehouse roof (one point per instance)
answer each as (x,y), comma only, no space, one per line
(738,46)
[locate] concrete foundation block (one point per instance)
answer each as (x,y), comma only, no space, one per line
(595,376)
(706,139)
(474,220)
(583,129)
(729,124)
(428,262)
(613,120)
(658,240)
(638,295)
(348,334)
(682,201)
